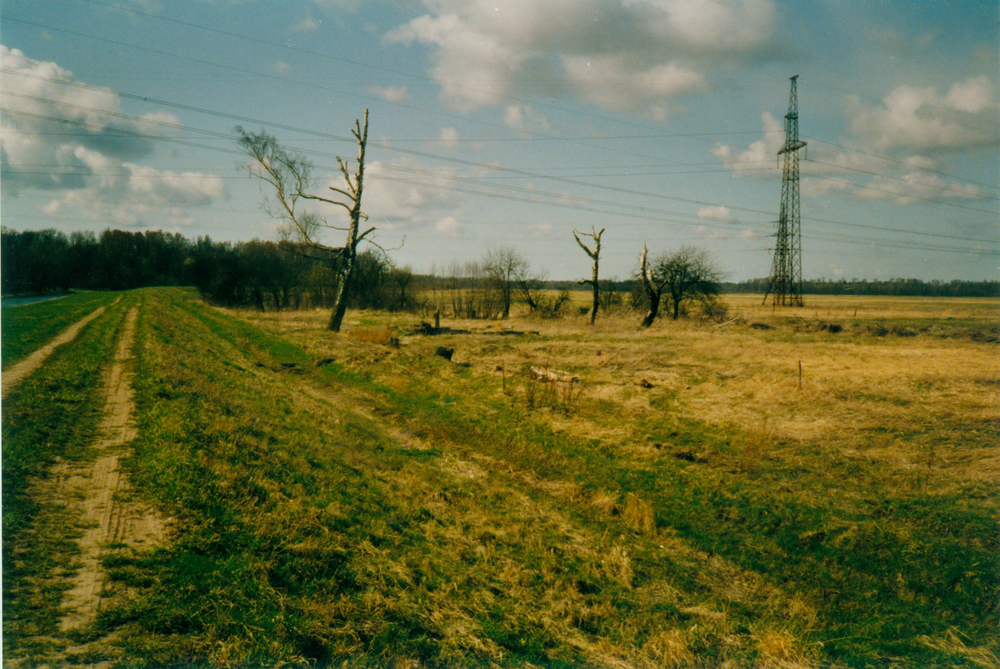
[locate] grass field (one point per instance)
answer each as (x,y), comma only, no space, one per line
(767,491)
(27,328)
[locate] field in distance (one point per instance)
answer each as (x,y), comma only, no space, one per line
(784,488)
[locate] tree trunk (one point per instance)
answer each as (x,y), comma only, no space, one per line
(350,251)
(654,309)
(595,255)
(340,296)
(652,290)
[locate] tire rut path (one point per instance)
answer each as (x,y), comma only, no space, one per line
(18,372)
(98,494)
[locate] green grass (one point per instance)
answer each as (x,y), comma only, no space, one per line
(52,414)
(27,328)
(392,506)
(313,534)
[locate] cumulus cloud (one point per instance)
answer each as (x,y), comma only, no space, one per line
(524,117)
(76,141)
(716,213)
(971,96)
(916,187)
(631,55)
(394,94)
(615,83)
(449,137)
(920,119)
(447,226)
(760,154)
(407,194)
(125,193)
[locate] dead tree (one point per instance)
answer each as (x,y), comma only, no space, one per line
(595,255)
(653,286)
(291,178)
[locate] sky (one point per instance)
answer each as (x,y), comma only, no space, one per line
(511,123)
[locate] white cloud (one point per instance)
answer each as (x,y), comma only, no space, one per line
(710,25)
(393,94)
(919,162)
(641,53)
(524,117)
(123,193)
(447,226)
(716,213)
(614,83)
(92,153)
(407,194)
(760,154)
(972,95)
(449,137)
(918,186)
(911,118)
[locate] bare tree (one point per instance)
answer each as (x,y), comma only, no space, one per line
(504,268)
(686,274)
(653,285)
(689,273)
(291,178)
(595,255)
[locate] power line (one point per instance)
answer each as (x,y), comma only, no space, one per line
(522,173)
(516,172)
(900,162)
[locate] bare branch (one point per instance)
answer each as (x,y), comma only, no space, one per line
(343,192)
(328,201)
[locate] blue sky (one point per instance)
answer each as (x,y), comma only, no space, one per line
(509,123)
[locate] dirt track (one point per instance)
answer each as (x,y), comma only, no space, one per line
(97,494)
(18,372)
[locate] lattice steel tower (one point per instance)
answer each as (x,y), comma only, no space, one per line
(785,283)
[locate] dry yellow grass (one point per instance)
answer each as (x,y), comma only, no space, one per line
(750,378)
(920,406)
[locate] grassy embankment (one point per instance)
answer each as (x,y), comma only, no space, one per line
(51,416)
(387,504)
(336,499)
(27,328)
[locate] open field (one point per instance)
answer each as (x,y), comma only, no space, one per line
(767,491)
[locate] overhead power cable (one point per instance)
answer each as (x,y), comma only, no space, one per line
(523,173)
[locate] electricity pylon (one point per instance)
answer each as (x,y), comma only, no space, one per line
(785,284)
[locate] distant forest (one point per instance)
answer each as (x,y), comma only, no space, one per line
(270,275)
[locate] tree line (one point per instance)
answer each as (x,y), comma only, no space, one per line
(257,274)
(882,287)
